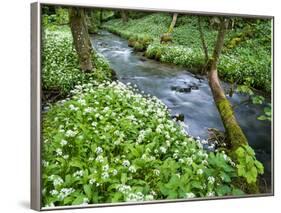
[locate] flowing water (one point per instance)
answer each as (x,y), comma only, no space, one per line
(197,105)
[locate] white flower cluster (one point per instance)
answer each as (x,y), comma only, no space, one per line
(70,133)
(132,169)
(124,188)
(99,150)
(134,197)
(63,142)
(78,174)
(64,192)
(126,163)
(211,180)
(189,195)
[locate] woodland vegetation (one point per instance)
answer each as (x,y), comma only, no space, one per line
(104,141)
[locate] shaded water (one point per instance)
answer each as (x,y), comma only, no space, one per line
(200,112)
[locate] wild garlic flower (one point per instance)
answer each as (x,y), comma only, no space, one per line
(99,150)
(63,142)
(57,181)
(156,172)
(105,167)
(163,149)
(100,159)
(199,171)
(210,194)
(126,163)
(64,192)
(132,169)
(211,180)
(54,192)
(59,151)
(79,173)
(70,133)
(104,175)
(124,188)
(114,172)
(189,195)
(92,181)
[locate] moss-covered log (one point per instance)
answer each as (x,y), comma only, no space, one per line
(81,38)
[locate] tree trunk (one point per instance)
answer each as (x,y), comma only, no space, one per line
(234,133)
(124,16)
(81,38)
(173,23)
(101,16)
(204,45)
(92,21)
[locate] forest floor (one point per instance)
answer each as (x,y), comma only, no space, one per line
(106,142)
(246,58)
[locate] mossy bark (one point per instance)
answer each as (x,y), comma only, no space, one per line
(173,23)
(124,16)
(92,21)
(81,38)
(234,132)
(204,45)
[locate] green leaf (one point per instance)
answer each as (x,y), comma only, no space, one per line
(262,118)
(123,178)
(223,190)
(259,167)
(88,190)
(237,192)
(241,170)
(79,200)
(116,197)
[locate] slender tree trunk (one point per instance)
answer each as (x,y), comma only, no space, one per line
(204,45)
(101,16)
(92,21)
(124,16)
(173,23)
(234,133)
(81,38)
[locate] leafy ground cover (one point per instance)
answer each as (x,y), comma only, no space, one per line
(60,67)
(247,54)
(109,143)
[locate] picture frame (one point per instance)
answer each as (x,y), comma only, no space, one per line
(36,107)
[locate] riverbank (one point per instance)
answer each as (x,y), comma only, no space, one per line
(246,58)
(192,97)
(108,142)
(60,67)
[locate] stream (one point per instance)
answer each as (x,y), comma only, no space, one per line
(195,103)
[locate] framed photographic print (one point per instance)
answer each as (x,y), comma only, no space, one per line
(135,105)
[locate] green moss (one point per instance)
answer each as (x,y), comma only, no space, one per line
(234,132)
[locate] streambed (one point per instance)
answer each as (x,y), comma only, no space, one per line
(185,93)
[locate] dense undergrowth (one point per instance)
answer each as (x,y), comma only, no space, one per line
(60,67)
(247,53)
(108,143)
